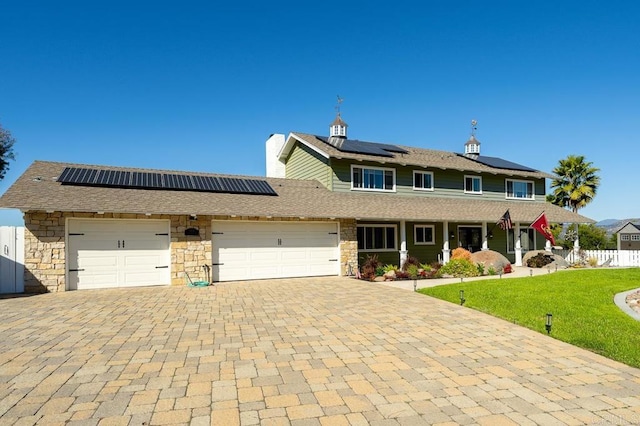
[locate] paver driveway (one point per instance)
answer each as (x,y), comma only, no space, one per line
(307,351)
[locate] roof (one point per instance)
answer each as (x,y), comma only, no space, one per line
(629,227)
(37,190)
(420,157)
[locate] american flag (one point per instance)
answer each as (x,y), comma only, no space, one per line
(505,221)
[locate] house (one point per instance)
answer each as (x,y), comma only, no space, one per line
(326,203)
(629,237)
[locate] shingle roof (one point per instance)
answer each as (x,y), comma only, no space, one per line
(427,158)
(37,189)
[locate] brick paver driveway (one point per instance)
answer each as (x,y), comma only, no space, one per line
(310,351)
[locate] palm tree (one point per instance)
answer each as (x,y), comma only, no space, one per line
(576,183)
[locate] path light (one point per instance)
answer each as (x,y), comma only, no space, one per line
(547,324)
(548,269)
(462,299)
(415,285)
(530,272)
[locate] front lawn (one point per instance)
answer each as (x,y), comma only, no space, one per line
(581,302)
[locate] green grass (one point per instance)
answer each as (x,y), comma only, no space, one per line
(581,302)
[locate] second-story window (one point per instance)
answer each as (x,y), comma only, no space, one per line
(373,179)
(473,185)
(423,181)
(520,189)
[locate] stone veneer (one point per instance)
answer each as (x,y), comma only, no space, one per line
(45,254)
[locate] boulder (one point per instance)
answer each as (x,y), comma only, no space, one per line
(490,259)
(557,259)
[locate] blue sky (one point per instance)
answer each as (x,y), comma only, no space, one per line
(200,86)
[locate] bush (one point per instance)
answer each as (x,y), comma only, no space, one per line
(370,266)
(410,261)
(461,253)
(507,269)
(413,271)
(460,268)
(491,271)
(539,260)
(593,261)
(380,271)
(389,267)
(480,267)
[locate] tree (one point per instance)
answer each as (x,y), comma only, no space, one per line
(593,238)
(6,150)
(576,183)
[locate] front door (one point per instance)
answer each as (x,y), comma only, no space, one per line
(470,238)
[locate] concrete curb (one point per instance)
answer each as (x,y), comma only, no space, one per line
(620,299)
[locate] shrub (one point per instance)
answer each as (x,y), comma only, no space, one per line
(460,268)
(539,260)
(491,270)
(380,271)
(370,266)
(480,267)
(507,269)
(413,271)
(389,267)
(410,261)
(461,253)
(402,275)
(425,267)
(593,261)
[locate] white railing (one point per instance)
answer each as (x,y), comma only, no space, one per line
(604,257)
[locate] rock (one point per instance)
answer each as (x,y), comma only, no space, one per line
(490,259)
(557,259)
(379,279)
(390,275)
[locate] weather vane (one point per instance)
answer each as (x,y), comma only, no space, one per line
(474,124)
(338,104)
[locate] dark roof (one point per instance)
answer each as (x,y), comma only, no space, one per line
(37,189)
(499,163)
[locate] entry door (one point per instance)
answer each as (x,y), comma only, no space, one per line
(470,238)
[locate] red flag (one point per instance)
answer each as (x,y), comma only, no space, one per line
(542,226)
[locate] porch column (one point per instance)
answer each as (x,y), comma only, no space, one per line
(445,244)
(576,246)
(518,246)
(485,237)
(403,242)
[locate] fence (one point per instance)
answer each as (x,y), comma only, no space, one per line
(604,257)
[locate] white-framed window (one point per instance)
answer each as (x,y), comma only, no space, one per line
(422,181)
(472,184)
(624,237)
(376,237)
(635,237)
(373,179)
(527,240)
(424,235)
(520,189)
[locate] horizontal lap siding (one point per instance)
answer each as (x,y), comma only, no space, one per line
(304,163)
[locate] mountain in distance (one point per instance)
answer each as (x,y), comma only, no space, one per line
(612,225)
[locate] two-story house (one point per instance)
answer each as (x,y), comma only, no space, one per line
(326,203)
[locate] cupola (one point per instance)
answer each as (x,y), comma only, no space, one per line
(472,147)
(338,128)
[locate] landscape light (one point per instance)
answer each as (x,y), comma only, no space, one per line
(415,285)
(462,299)
(548,322)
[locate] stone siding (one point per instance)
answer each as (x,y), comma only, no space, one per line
(45,250)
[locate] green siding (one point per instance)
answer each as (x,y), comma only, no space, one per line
(304,163)
(447,183)
(425,253)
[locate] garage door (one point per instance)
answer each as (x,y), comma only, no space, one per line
(107,253)
(257,250)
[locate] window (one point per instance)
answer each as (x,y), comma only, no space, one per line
(527,240)
(423,234)
(373,179)
(473,185)
(520,189)
(423,181)
(635,237)
(624,237)
(377,237)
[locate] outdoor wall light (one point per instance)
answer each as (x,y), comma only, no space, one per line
(462,299)
(548,322)
(452,235)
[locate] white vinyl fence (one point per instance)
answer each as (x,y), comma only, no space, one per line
(604,257)
(11,259)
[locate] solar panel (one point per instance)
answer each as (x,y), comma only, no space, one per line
(499,163)
(361,147)
(170,181)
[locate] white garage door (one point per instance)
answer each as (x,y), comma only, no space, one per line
(107,253)
(257,250)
